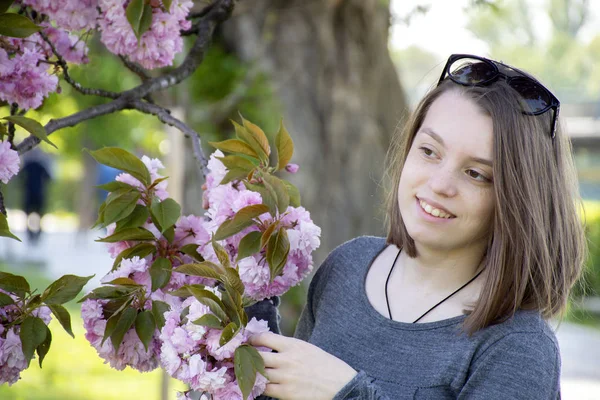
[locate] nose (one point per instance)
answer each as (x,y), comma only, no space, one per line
(443,181)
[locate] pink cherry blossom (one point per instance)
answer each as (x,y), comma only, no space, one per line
(9,162)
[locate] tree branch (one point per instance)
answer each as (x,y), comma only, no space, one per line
(165,117)
(71,81)
(135,68)
(55,124)
(219,11)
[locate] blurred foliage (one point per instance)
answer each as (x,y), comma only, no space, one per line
(589,284)
(567,61)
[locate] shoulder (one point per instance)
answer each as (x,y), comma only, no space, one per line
(360,248)
(526,330)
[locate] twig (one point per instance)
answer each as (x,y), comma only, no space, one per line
(71,81)
(2,208)
(166,118)
(135,68)
(11,126)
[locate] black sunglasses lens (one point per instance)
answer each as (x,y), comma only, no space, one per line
(470,71)
(537,98)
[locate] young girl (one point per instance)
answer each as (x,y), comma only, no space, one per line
(484,244)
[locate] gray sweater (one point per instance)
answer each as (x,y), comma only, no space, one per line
(517,359)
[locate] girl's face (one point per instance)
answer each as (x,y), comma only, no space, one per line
(446,194)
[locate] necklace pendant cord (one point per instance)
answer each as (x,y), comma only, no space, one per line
(428,311)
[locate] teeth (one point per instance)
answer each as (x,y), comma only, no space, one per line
(433,211)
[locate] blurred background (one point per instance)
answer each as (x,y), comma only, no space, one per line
(343,74)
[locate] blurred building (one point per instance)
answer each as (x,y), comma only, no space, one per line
(583,126)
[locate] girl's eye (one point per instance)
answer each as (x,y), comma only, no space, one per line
(477,176)
(426,151)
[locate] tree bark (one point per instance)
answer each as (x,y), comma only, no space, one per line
(341,96)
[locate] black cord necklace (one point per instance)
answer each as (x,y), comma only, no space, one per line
(426,312)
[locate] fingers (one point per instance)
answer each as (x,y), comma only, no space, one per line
(274,390)
(271,360)
(271,340)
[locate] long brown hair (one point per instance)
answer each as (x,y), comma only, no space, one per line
(536,250)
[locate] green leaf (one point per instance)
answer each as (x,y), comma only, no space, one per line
(5,5)
(166,212)
(115,185)
(232,278)
(14,284)
(235,174)
(167,5)
(44,347)
(228,333)
(116,306)
(285,146)
(282,196)
(267,234)
(221,253)
(246,363)
(3,131)
(139,15)
(122,281)
(111,325)
(249,245)
(63,316)
(6,300)
(159,308)
(268,196)
(128,234)
(234,146)
(241,220)
(160,273)
(259,136)
(64,289)
(232,302)
(100,220)
(4,230)
(33,333)
(209,321)
(123,160)
(144,327)
(30,125)
(169,234)
(125,322)
(184,292)
(293,192)
(237,162)
(210,300)
(192,251)
(120,207)
(141,250)
(136,219)
(248,301)
(246,136)
(108,292)
(17,26)
(278,249)
(205,269)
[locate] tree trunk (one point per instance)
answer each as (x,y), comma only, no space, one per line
(341,96)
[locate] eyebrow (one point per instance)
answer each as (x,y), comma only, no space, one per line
(439,139)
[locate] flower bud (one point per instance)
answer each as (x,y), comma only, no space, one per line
(292,168)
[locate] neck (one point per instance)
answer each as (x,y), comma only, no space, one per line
(440,269)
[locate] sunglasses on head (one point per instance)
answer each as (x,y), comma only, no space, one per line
(470,70)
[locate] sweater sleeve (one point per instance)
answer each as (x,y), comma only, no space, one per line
(306,323)
(518,366)
(361,387)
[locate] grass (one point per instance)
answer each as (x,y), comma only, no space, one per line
(72,370)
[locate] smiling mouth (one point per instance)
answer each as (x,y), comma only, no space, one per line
(436,212)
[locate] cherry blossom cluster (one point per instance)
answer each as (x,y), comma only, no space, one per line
(189,351)
(27,66)
(12,359)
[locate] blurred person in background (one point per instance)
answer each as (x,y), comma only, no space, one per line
(36,176)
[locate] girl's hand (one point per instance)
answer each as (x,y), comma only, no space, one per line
(300,370)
